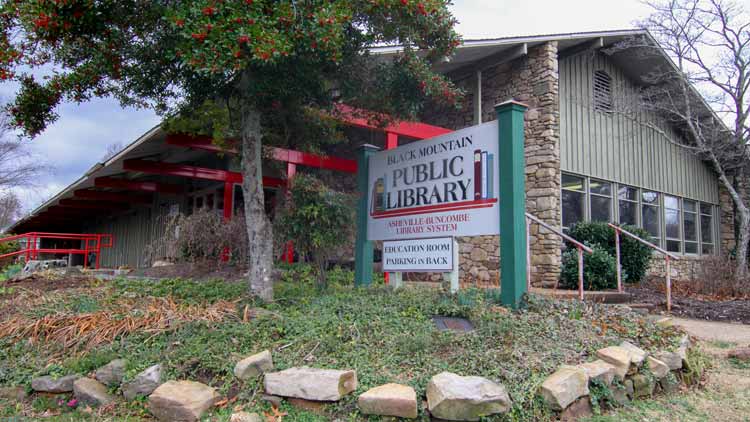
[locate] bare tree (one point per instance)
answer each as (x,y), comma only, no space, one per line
(10,209)
(17,166)
(703,93)
(112,150)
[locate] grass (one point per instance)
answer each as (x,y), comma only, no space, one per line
(386,336)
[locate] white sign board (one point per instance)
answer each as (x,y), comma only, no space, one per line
(443,186)
(418,255)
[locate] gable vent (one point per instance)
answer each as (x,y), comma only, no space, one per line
(602,91)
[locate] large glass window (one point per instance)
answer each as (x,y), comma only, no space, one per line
(627,200)
(601,200)
(690,226)
(650,214)
(672,223)
(707,229)
(573,199)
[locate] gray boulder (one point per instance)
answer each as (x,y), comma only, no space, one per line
(389,400)
(253,366)
(643,386)
(112,373)
(50,384)
(91,392)
(245,417)
(618,357)
(183,401)
(637,355)
(456,398)
(143,384)
(565,386)
(599,370)
(311,383)
(657,367)
(672,359)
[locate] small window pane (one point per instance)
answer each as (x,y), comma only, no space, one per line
(691,247)
(628,212)
(627,193)
(672,223)
(650,197)
(673,245)
(671,202)
(600,208)
(706,209)
(572,207)
(600,188)
(691,226)
(689,205)
(706,229)
(707,249)
(572,182)
(650,218)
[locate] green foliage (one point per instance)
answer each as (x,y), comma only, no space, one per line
(599,269)
(188,291)
(634,256)
(10,271)
(317,219)
(695,367)
(600,396)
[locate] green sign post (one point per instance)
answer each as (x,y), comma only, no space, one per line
(510,117)
(363,248)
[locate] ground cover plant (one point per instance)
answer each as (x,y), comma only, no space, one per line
(387,336)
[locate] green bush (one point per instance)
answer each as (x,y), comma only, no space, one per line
(634,256)
(599,269)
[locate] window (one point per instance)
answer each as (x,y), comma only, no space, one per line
(690,226)
(672,223)
(600,200)
(573,199)
(602,91)
(627,200)
(707,229)
(650,214)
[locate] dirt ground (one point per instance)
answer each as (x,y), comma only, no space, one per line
(737,310)
(42,282)
(197,271)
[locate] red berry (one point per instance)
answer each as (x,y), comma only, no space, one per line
(208,11)
(243,39)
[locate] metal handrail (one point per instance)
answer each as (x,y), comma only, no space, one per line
(31,251)
(579,246)
(667,257)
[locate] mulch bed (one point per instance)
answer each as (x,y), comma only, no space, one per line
(652,292)
(44,283)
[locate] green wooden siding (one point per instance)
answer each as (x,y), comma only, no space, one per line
(619,148)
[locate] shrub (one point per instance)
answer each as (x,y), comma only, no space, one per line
(599,269)
(634,256)
(317,219)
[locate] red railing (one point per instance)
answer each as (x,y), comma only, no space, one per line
(91,243)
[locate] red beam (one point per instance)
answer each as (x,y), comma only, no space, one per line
(359,118)
(111,182)
(112,196)
(89,205)
(181,170)
(60,210)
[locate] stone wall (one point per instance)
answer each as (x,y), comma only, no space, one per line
(532,80)
(685,269)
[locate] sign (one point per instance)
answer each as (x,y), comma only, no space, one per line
(418,255)
(444,186)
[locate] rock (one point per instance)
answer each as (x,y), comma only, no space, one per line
(620,394)
(160,263)
(253,366)
(643,386)
(112,373)
(637,355)
(13,393)
(672,359)
(457,398)
(669,384)
(181,401)
(599,370)
(91,392)
(245,417)
(274,400)
(143,384)
(311,383)
(629,389)
(389,400)
(49,384)
(617,357)
(742,353)
(657,367)
(580,409)
(317,407)
(564,387)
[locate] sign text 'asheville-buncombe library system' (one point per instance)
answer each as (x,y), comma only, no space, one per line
(444,186)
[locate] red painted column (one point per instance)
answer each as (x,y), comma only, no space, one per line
(291,171)
(391,142)
(228,200)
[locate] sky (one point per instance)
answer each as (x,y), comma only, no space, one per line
(80,137)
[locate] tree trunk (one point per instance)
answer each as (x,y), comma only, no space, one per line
(742,242)
(259,229)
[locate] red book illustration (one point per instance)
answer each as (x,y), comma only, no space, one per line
(478,174)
